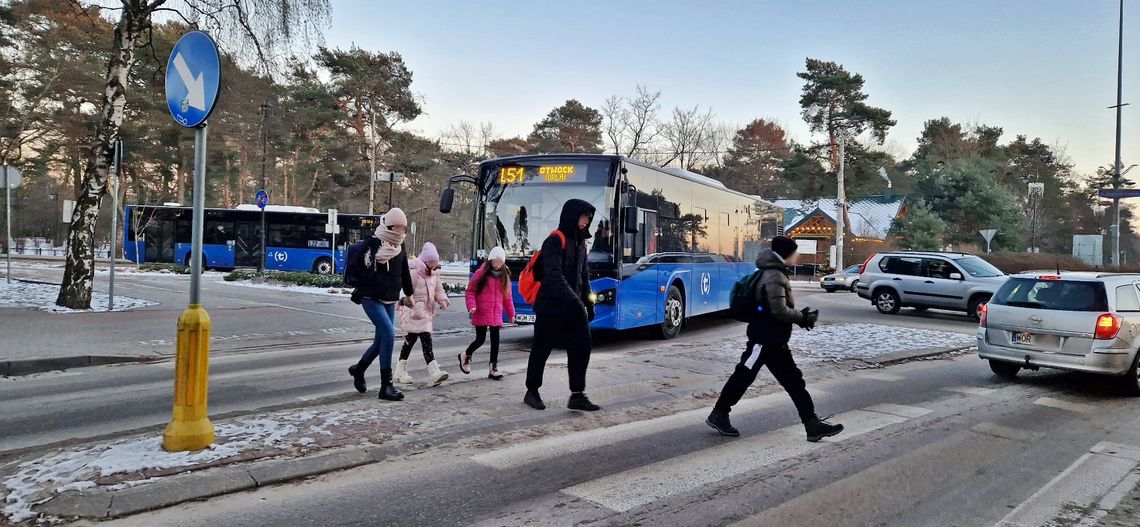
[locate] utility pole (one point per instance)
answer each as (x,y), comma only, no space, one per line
(1116,181)
(372,161)
(264,181)
(840,207)
(115,222)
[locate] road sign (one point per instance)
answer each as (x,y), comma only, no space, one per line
(193,76)
(332,216)
(1119,193)
(412,228)
(388,177)
(988,234)
(12,179)
(68,210)
(262,198)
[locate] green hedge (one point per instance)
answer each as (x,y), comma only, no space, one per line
(315,280)
(159,267)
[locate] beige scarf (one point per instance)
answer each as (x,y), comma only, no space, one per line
(390,246)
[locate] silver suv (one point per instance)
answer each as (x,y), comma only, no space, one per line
(922,280)
(1070,321)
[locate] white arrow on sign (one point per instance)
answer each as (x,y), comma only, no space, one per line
(195,86)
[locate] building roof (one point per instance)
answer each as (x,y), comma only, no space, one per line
(870,216)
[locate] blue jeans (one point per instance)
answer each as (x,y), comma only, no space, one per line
(381,315)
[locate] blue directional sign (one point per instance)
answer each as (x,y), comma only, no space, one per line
(1119,192)
(193,76)
(262,198)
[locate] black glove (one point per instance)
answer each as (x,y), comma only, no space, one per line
(356,297)
(810,318)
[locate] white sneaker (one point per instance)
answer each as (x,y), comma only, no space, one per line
(437,375)
(401,373)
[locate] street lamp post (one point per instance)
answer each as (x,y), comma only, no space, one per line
(372,159)
(840,207)
(1118,165)
(264,181)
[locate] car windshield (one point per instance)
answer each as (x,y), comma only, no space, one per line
(1052,294)
(978,268)
(854,269)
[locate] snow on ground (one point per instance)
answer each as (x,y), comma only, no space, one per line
(276,286)
(76,468)
(463,267)
(42,297)
(835,342)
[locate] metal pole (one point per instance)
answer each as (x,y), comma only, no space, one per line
(1116,168)
(391,181)
(199,214)
(8,219)
(841,209)
(372,163)
(264,182)
(114,223)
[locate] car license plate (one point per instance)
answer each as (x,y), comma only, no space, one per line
(1020,337)
(525,318)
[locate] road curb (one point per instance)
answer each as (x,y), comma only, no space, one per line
(16,368)
(888,359)
(197,485)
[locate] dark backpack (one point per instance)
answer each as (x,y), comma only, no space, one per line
(354,269)
(742,305)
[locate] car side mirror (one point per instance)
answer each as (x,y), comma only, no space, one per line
(446,199)
(955,276)
(630,217)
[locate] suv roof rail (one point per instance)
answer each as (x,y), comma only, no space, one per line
(1106,275)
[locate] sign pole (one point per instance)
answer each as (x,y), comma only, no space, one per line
(114,222)
(8,220)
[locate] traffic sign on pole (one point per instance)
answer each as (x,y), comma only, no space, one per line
(13,179)
(988,234)
(1119,193)
(193,77)
(262,198)
(10,180)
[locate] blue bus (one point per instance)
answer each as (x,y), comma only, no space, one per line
(667,244)
(296,239)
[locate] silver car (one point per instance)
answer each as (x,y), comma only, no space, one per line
(844,280)
(928,280)
(1069,321)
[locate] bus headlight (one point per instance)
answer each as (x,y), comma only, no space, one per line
(604,297)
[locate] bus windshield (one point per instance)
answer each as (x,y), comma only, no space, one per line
(519,216)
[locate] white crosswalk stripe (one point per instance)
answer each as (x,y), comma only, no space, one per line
(643,485)
(1065,405)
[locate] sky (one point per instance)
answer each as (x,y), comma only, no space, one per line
(1043,68)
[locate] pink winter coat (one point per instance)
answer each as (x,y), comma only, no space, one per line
(427,294)
(490,304)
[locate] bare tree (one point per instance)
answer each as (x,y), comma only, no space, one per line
(642,124)
(251,30)
(463,135)
(686,135)
(614,121)
(487,133)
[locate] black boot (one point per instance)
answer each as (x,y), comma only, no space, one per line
(357,373)
(819,428)
(387,391)
(719,421)
(579,401)
(533,400)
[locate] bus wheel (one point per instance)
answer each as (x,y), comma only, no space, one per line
(674,313)
(323,266)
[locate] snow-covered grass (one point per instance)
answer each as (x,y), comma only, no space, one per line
(277,286)
(42,296)
(76,468)
(836,342)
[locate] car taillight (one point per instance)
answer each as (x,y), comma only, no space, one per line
(1107,326)
(864,266)
(983,309)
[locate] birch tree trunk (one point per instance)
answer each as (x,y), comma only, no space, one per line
(79,274)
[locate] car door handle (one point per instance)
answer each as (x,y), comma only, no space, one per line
(897,279)
(929,282)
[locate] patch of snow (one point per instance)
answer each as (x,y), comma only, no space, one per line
(333,291)
(39,296)
(839,342)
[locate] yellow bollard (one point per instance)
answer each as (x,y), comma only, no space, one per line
(191,428)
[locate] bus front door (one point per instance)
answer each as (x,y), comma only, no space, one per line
(247,246)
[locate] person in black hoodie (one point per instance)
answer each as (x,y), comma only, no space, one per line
(563,308)
(387,274)
(768,336)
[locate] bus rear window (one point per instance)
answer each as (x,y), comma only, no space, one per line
(1052,294)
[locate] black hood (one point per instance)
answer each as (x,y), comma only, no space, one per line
(571,211)
(770,260)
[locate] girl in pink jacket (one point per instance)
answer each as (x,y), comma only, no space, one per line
(488,299)
(416,321)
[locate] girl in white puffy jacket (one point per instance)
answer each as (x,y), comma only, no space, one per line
(416,320)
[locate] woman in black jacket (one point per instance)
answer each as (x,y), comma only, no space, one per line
(563,308)
(387,274)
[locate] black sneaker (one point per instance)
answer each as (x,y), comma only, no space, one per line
(719,421)
(357,378)
(579,401)
(819,428)
(533,400)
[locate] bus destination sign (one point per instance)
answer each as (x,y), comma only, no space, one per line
(518,175)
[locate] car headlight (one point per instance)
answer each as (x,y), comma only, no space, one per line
(604,297)
(840,279)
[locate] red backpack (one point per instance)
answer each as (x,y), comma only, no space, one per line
(528,285)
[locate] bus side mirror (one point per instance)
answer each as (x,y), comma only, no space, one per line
(630,217)
(446,199)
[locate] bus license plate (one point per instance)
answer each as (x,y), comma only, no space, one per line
(529,319)
(1020,337)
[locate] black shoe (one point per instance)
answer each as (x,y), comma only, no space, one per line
(533,400)
(719,421)
(819,428)
(578,401)
(357,374)
(387,391)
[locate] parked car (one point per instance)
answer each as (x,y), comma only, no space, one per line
(845,280)
(928,280)
(1069,321)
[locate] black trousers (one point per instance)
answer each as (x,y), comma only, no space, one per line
(481,336)
(410,340)
(571,334)
(778,358)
